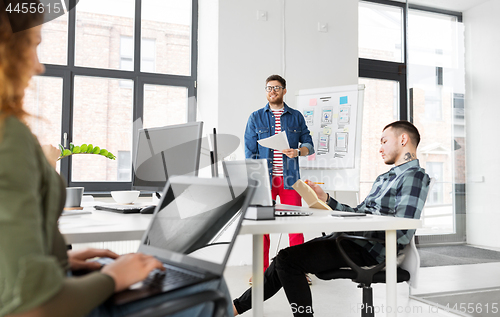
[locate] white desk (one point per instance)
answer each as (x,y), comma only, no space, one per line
(104,226)
(108,226)
(321,221)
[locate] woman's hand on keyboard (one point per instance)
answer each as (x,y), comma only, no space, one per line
(78,258)
(131,268)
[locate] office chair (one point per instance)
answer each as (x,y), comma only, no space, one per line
(407,271)
(408,268)
(179,304)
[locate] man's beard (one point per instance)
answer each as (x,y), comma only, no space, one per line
(277,101)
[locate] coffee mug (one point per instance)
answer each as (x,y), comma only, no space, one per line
(74,196)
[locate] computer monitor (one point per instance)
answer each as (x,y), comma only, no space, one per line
(162,152)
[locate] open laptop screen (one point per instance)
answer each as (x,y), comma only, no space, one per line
(196,221)
(253,169)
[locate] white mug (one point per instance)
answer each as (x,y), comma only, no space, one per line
(74,196)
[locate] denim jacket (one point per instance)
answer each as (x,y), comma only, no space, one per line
(260,125)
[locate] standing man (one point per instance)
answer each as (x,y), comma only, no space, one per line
(400,192)
(275,117)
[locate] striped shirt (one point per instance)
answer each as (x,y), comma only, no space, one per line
(278,155)
(400,192)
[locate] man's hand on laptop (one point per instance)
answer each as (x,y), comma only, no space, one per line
(78,258)
(317,189)
(131,268)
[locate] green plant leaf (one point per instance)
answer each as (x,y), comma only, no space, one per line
(71,146)
(85,149)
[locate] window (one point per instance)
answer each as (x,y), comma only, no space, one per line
(102,117)
(124,163)
(45,109)
(110,66)
(380,95)
(99,25)
(54,47)
(126,53)
(160,113)
(436,79)
(127,57)
(381,32)
(168,22)
(383,72)
(148,55)
(435,170)
(420,79)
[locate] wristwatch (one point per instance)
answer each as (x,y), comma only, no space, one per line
(298,152)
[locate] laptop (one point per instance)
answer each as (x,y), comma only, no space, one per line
(121,209)
(258,171)
(192,232)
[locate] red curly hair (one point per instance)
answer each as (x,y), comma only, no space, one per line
(14,62)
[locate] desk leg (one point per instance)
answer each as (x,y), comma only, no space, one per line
(391,271)
(258,276)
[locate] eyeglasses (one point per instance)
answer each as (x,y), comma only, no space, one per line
(276,88)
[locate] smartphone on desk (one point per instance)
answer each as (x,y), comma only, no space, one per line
(347,215)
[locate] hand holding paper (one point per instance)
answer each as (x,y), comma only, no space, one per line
(277,142)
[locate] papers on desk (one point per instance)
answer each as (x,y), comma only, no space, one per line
(277,142)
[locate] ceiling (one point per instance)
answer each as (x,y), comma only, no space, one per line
(452,5)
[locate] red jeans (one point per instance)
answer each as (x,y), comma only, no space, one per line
(288,197)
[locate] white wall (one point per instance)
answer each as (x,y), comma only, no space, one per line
(237,53)
(251,50)
(482,43)
(208,50)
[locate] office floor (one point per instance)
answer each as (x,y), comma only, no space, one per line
(342,297)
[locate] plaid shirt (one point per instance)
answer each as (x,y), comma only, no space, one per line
(401,192)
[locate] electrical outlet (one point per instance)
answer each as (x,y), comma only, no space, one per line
(322,27)
(261,15)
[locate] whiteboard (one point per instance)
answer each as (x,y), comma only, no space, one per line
(334,118)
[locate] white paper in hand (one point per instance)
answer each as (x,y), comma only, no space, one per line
(277,142)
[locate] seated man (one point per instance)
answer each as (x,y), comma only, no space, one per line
(401,192)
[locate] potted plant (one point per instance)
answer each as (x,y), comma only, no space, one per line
(84,149)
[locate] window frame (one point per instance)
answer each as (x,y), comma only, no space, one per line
(69,71)
(377,69)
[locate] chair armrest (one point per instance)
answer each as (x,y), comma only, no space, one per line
(364,274)
(179,304)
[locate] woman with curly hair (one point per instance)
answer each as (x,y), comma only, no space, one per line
(35,266)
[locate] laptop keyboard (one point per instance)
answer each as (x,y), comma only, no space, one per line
(161,279)
(288,213)
(169,277)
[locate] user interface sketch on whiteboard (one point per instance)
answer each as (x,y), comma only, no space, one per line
(331,118)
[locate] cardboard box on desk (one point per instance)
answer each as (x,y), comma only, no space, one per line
(309,195)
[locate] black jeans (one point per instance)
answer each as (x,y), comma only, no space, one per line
(288,270)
